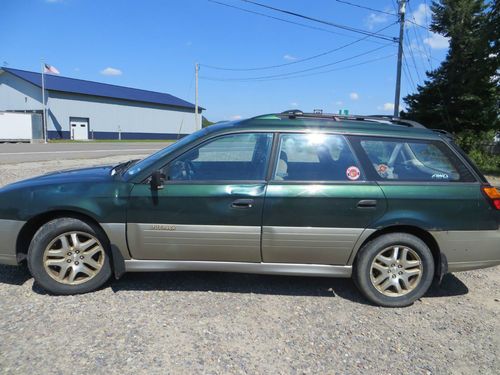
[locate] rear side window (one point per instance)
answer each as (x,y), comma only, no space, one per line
(414,160)
(316,157)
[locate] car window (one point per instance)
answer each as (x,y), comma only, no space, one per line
(315,157)
(414,160)
(231,157)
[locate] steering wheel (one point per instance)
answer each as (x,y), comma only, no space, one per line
(181,170)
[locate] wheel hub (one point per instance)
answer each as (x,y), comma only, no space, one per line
(396,271)
(73,258)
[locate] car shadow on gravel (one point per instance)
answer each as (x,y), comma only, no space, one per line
(14,275)
(265,284)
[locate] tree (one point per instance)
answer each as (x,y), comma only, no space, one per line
(463,92)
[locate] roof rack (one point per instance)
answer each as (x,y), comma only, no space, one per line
(295,113)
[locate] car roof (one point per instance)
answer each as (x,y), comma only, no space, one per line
(368,125)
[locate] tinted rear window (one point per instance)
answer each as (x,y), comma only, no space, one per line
(414,160)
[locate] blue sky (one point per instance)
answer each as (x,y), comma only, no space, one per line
(154,45)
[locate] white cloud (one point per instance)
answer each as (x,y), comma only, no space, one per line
(289,57)
(354,96)
(111,72)
(375,19)
(340,102)
(294,104)
(236,117)
(422,16)
(388,107)
(437,41)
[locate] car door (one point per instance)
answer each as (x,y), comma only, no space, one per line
(210,206)
(318,202)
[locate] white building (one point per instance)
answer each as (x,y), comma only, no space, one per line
(79,109)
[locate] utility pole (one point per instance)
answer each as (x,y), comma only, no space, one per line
(402,11)
(44,107)
(196,115)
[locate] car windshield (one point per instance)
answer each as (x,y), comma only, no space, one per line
(144,163)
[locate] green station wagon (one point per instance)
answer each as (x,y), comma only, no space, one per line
(386,201)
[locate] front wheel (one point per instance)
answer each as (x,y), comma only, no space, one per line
(394,270)
(69,256)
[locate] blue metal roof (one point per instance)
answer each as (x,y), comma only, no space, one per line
(79,86)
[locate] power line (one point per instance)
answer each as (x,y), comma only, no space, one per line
(309,74)
(412,55)
(343,27)
(405,65)
(365,7)
(305,70)
(285,20)
(296,61)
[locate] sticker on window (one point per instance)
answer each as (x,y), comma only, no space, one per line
(440,176)
(353,173)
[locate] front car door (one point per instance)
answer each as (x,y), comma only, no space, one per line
(210,208)
(318,202)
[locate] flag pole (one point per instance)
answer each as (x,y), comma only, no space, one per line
(44,109)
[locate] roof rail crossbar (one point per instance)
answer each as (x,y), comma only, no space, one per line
(295,113)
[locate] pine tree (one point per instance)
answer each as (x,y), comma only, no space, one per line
(463,92)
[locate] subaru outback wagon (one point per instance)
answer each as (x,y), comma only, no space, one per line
(386,201)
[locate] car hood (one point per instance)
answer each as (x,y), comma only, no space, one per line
(92,175)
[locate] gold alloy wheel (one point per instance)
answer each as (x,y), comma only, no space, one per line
(396,271)
(73,258)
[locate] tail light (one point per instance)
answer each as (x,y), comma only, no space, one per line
(493,194)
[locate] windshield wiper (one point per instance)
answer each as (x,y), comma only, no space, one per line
(120,168)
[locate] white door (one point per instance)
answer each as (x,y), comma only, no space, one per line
(79,129)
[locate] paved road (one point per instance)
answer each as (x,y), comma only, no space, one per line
(24,152)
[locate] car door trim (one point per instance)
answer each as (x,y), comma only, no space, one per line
(292,269)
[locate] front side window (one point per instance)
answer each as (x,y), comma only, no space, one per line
(316,157)
(241,157)
(414,160)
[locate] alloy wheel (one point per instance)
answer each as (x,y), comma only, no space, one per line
(73,258)
(396,271)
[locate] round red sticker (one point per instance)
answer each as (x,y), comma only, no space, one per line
(353,173)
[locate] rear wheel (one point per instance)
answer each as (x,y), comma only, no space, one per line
(394,270)
(69,256)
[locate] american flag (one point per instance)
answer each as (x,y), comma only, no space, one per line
(50,69)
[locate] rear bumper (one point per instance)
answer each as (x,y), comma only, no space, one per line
(9,231)
(469,250)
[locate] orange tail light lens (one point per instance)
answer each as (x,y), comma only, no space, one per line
(494,195)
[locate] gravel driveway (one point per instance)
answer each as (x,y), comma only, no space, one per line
(234,323)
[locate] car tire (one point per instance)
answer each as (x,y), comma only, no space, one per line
(394,270)
(69,256)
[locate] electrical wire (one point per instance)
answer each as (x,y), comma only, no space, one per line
(296,61)
(311,74)
(303,70)
(343,27)
(365,7)
(412,55)
(285,20)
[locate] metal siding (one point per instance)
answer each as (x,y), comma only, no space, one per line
(18,95)
(106,115)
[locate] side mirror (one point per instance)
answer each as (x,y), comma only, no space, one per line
(156,182)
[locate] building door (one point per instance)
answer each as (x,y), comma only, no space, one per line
(79,128)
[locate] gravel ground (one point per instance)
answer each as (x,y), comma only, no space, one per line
(234,323)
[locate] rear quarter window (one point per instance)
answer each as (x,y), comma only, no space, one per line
(413,160)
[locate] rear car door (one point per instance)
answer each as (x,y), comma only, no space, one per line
(210,208)
(318,202)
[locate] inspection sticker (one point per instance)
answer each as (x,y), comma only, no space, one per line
(353,173)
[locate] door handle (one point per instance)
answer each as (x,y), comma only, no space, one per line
(367,203)
(242,203)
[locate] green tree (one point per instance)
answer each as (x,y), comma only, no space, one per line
(463,92)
